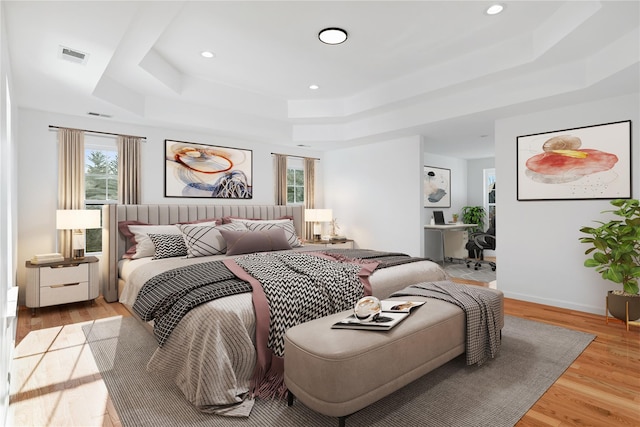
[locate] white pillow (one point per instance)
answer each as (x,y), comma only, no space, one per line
(202,240)
(144,245)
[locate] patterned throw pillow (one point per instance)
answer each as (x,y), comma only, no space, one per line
(247,242)
(144,245)
(168,245)
(284,224)
(206,240)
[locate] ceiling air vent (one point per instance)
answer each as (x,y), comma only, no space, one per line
(73,55)
(91,113)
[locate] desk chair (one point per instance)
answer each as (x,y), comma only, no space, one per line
(478,242)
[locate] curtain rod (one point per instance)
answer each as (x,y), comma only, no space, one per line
(291,155)
(95,131)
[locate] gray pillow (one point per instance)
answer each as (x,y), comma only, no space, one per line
(245,242)
(286,225)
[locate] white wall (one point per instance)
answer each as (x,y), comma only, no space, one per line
(459,195)
(541,259)
(37,169)
(8,215)
(375,192)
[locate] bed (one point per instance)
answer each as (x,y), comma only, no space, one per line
(211,352)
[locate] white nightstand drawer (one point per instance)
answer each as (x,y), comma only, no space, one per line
(50,276)
(61,294)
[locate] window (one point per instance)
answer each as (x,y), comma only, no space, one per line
(100,180)
(295,181)
(490,193)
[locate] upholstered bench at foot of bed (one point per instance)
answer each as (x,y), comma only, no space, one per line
(337,372)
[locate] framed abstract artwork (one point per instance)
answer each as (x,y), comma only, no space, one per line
(437,187)
(201,170)
(591,162)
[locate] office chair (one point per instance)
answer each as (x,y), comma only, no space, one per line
(478,242)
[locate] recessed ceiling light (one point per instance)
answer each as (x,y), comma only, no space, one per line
(332,35)
(207,54)
(494,9)
(314,87)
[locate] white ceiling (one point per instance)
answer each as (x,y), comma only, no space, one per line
(441,69)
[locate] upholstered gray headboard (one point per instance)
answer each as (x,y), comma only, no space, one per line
(114,245)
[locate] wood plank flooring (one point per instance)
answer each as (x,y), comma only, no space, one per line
(55,381)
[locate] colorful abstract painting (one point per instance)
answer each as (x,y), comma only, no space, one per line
(591,162)
(199,170)
(437,187)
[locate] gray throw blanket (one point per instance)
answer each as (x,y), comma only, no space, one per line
(168,297)
(481,307)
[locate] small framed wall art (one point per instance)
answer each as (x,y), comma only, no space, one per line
(201,170)
(437,187)
(590,162)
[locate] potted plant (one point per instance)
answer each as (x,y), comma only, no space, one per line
(474,215)
(615,253)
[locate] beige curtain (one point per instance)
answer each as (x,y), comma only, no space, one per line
(70,180)
(281,179)
(309,192)
(129,170)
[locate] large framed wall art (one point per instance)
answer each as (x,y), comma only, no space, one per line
(591,162)
(201,170)
(437,187)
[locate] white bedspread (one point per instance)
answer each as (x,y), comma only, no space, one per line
(211,354)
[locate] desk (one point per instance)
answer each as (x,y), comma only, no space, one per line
(443,228)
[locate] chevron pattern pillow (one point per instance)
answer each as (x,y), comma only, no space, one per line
(144,245)
(168,245)
(284,224)
(206,240)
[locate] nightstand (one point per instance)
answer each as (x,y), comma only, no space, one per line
(328,244)
(62,282)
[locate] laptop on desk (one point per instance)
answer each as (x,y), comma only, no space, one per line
(438,217)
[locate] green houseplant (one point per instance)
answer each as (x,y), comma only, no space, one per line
(614,250)
(474,215)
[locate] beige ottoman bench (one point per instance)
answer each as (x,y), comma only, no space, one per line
(337,372)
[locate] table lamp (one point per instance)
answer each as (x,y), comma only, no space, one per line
(77,220)
(317,216)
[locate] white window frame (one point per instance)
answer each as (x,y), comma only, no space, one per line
(93,142)
(295,163)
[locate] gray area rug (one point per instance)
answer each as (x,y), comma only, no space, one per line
(459,269)
(498,393)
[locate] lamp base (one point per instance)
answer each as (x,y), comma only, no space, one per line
(78,254)
(317,230)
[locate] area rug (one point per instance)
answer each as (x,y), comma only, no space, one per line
(460,270)
(497,393)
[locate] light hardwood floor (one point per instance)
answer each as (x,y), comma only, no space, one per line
(55,381)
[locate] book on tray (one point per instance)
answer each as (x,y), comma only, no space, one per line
(46,258)
(393,312)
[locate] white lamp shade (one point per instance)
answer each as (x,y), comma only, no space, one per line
(318,215)
(77,219)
